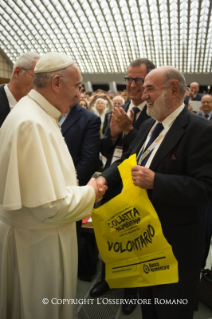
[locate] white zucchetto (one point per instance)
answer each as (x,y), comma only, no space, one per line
(53,61)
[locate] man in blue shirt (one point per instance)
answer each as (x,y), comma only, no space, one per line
(206,107)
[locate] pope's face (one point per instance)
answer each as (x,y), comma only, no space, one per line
(70,89)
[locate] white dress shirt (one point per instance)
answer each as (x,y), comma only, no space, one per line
(140,106)
(167,123)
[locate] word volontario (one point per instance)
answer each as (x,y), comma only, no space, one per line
(137,243)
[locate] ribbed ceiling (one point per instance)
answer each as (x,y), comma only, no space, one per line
(105,36)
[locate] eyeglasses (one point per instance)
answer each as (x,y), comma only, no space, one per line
(129,80)
(28,72)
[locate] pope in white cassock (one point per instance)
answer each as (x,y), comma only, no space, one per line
(39,198)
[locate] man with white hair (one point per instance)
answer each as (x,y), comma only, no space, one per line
(118,100)
(118,136)
(20,84)
(40,200)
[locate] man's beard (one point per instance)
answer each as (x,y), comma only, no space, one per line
(159,108)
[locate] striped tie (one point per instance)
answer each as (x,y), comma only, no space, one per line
(155,133)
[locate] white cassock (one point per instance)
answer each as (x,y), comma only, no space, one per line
(39,204)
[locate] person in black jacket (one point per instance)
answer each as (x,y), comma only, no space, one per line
(117,139)
(193,94)
(178,183)
(81,130)
(20,84)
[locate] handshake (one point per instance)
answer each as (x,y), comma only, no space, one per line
(99,185)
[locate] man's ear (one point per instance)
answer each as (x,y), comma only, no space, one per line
(175,87)
(56,83)
(17,72)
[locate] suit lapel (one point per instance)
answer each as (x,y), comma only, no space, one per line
(120,137)
(142,117)
(125,106)
(142,135)
(4,101)
(171,139)
(73,116)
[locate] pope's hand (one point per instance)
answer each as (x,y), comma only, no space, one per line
(99,187)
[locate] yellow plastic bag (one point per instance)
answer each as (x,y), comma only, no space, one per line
(130,239)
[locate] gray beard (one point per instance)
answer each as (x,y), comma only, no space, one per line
(160,107)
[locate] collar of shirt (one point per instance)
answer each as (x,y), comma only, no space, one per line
(44,104)
(140,106)
(167,123)
(209,114)
(171,117)
(63,118)
(11,100)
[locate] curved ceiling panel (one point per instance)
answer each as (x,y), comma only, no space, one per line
(104,36)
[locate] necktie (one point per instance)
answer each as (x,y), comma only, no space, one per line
(135,110)
(158,128)
(206,116)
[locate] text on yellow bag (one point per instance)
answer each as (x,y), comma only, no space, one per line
(130,239)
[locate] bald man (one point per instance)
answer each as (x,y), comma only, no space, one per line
(178,182)
(206,107)
(118,100)
(193,94)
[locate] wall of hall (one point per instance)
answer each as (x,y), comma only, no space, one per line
(203,79)
(5,70)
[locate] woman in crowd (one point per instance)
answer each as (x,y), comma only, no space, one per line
(102,105)
(83,103)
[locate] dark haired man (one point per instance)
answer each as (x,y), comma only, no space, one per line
(119,134)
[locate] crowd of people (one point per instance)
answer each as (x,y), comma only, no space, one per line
(107,100)
(50,139)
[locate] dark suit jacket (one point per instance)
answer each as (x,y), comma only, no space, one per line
(198,97)
(107,146)
(4,105)
(182,189)
(105,124)
(81,131)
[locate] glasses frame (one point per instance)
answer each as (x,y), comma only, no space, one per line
(28,72)
(129,80)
